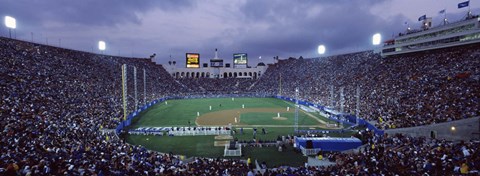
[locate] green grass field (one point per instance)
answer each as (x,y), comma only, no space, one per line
(252,118)
(180,112)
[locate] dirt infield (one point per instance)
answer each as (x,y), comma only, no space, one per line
(225,117)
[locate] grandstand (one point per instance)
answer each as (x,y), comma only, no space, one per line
(61,111)
(466,31)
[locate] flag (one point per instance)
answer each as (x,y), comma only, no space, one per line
(442,11)
(463,75)
(463,4)
(423,17)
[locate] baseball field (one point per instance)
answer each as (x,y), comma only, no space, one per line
(276,116)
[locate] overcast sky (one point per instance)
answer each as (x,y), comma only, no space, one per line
(264,28)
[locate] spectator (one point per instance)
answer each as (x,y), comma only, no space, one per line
(56,102)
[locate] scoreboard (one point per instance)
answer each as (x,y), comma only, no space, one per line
(216,63)
(240,59)
(193,60)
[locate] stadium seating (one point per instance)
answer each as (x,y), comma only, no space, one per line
(400,91)
(57,105)
(217,86)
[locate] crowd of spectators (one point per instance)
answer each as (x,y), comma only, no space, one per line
(56,105)
(217,85)
(396,155)
(397,91)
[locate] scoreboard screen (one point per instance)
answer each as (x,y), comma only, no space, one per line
(193,60)
(216,63)
(240,59)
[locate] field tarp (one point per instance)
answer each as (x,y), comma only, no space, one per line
(329,144)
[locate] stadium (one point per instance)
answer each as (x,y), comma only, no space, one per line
(410,106)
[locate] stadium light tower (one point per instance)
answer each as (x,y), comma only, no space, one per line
(321,49)
(376,39)
(102,46)
(11,23)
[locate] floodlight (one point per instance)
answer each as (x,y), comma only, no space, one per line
(10,22)
(101,45)
(321,49)
(376,39)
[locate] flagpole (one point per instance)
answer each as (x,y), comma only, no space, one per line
(469,12)
(445,14)
(445,17)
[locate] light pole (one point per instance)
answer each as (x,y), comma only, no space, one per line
(102,46)
(376,39)
(11,23)
(321,49)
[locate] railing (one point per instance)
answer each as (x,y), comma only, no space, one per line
(233,152)
(180,131)
(309,152)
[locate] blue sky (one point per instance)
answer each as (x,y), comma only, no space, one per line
(264,28)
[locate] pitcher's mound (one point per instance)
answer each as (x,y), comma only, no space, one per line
(279,118)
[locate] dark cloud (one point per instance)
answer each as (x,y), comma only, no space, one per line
(173,27)
(86,12)
(292,30)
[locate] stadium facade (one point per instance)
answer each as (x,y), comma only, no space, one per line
(216,69)
(427,38)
